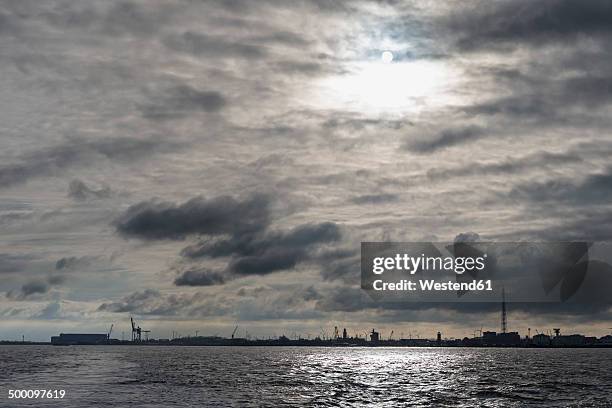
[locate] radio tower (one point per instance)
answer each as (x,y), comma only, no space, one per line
(504,323)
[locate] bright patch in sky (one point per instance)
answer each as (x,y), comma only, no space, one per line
(381,86)
(387,57)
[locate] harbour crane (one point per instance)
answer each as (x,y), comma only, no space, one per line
(136,332)
(391,335)
(110,331)
(234,332)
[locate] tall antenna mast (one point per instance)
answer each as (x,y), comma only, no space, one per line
(504,322)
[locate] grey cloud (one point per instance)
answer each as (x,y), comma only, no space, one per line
(56,279)
(355,122)
(589,90)
(298,238)
(591,225)
(216,216)
(212,46)
(353,299)
(260,304)
(180,101)
(113,67)
(58,159)
(113,18)
(9,25)
(10,263)
(199,277)
(467,237)
(593,189)
(300,67)
(346,299)
(538,160)
(271,160)
(512,23)
(374,199)
(282,37)
(549,102)
(51,311)
(73,262)
(70,266)
(35,287)
(446,138)
(132,302)
(79,191)
(153,302)
(344,268)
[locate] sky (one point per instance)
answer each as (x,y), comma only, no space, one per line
(205,164)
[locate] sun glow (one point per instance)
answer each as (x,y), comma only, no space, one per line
(387,86)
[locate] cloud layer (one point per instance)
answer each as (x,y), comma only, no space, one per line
(221,161)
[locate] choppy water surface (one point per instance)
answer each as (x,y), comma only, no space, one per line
(287,376)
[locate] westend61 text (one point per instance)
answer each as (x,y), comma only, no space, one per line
(431,285)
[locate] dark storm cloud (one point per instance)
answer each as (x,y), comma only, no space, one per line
(493,24)
(275,259)
(260,254)
(55,160)
(446,138)
(180,101)
(79,191)
(232,228)
(374,199)
(201,44)
(199,277)
(216,216)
